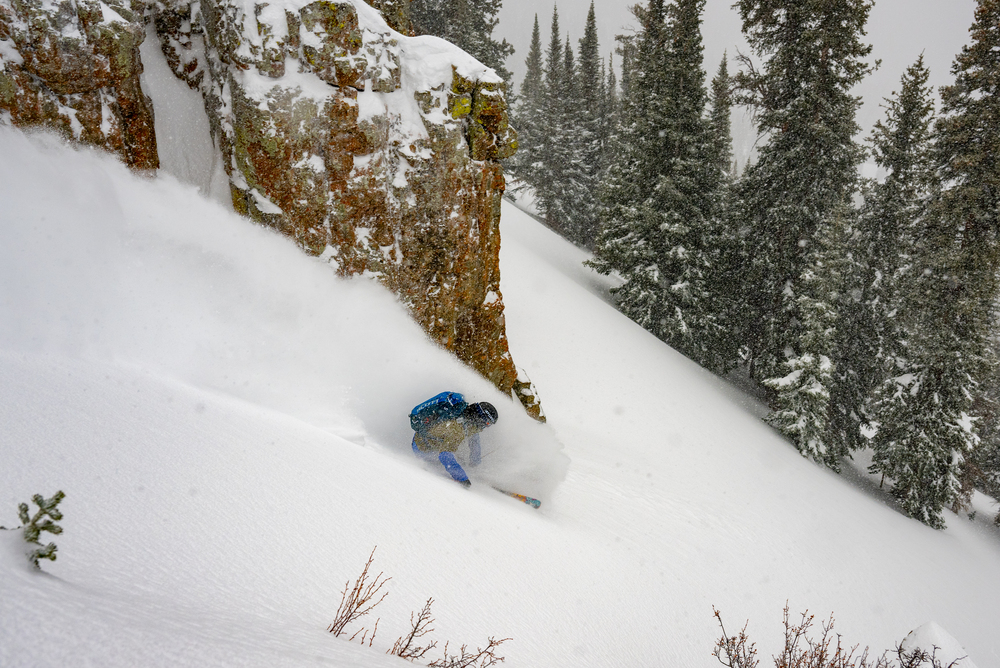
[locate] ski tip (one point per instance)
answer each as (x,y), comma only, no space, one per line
(534,503)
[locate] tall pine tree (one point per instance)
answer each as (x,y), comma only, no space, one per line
(587,136)
(721,243)
(813,55)
(888,226)
(530,119)
(552,177)
(658,195)
(981,469)
(628,244)
(570,191)
(720,120)
(804,406)
(609,121)
(929,429)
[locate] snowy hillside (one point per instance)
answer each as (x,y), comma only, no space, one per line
(228,421)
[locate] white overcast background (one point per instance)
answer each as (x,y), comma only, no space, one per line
(899,30)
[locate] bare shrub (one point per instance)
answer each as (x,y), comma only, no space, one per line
(803,650)
(481,658)
(358,601)
(364,634)
(734,651)
(362,597)
(408,647)
(919,657)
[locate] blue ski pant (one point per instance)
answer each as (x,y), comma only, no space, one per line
(448,460)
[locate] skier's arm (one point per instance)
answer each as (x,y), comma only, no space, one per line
(475,450)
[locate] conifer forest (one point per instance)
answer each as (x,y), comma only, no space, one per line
(864,310)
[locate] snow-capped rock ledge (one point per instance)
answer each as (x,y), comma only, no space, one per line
(373,149)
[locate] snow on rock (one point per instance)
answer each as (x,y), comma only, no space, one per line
(74,67)
(183,136)
(331,122)
(934,640)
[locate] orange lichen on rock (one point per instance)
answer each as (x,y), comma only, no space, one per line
(74,67)
(374,150)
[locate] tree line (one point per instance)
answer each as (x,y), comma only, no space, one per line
(866,309)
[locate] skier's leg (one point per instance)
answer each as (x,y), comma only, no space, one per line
(451,465)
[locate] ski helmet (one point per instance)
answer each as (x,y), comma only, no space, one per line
(482,414)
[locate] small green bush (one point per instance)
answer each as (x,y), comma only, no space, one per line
(43,520)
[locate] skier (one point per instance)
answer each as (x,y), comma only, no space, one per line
(443,423)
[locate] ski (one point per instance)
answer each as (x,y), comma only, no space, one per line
(534,503)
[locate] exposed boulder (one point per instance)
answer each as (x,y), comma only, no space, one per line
(376,151)
(73,66)
(396,14)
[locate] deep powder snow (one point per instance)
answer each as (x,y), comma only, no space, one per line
(228,421)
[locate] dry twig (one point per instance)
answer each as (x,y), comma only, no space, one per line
(821,653)
(801,650)
(482,658)
(357,601)
(918,657)
(364,634)
(406,647)
(734,651)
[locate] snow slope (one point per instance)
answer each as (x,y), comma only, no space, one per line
(227,419)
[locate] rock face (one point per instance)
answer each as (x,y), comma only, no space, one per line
(73,66)
(374,150)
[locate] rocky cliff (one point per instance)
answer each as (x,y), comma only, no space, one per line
(73,66)
(374,150)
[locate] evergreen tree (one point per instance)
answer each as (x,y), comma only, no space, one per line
(562,121)
(530,118)
(813,55)
(981,469)
(721,242)
(863,303)
(696,187)
(803,408)
(627,49)
(551,176)
(901,146)
(855,351)
(628,242)
(720,121)
(660,194)
(929,428)
(588,140)
(468,24)
(609,117)
(569,193)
